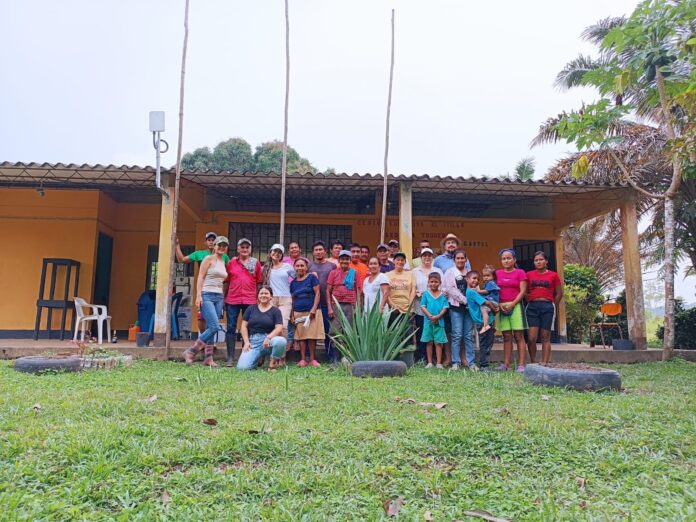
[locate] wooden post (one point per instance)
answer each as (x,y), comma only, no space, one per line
(562,324)
(406,218)
(165,267)
(385,185)
(635,308)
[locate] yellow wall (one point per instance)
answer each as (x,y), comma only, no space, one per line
(66,223)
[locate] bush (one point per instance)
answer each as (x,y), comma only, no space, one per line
(684,327)
(582,298)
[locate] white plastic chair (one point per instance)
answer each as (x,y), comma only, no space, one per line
(99,314)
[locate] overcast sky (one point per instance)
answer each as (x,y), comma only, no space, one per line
(472,81)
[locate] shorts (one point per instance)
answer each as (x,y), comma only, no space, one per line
(541,314)
(433,333)
(515,321)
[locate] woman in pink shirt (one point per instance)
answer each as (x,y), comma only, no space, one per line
(510,320)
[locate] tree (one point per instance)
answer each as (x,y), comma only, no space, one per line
(269,157)
(524,170)
(199,159)
(647,67)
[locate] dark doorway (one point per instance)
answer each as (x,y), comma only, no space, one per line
(526,248)
(102,270)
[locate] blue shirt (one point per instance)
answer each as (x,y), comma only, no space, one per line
(475,300)
(303,293)
(493,291)
(446,261)
(434,305)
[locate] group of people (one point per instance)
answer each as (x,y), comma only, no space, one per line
(289,302)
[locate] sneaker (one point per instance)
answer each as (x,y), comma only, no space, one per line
(429,366)
(502,368)
(474,368)
(302,363)
(439,367)
(455,366)
(315,363)
(520,369)
(486,369)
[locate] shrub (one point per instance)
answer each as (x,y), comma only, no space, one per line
(684,327)
(582,298)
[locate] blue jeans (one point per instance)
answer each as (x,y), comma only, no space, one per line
(232,312)
(211,310)
(462,328)
(248,360)
(328,344)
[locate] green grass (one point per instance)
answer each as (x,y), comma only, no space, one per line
(319,445)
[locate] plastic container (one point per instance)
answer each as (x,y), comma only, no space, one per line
(142,340)
(146,307)
(133,331)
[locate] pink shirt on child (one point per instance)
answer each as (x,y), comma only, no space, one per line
(509,283)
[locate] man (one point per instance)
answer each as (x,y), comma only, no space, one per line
(364,253)
(322,267)
(197,257)
(393,245)
(336,248)
(355,262)
(424,243)
(445,261)
(385,265)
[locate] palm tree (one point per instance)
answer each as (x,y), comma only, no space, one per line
(524,170)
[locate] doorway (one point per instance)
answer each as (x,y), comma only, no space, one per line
(102,270)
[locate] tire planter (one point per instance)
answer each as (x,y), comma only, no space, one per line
(581,378)
(378,369)
(38,364)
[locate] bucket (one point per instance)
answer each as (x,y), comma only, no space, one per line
(142,339)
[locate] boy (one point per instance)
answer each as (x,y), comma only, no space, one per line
(475,302)
(492,292)
(434,305)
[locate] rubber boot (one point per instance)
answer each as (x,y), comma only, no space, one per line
(191,352)
(209,351)
(230,352)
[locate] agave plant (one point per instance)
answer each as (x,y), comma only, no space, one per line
(370,337)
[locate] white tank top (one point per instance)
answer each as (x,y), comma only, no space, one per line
(216,275)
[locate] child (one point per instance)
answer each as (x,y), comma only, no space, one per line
(492,292)
(434,305)
(476,304)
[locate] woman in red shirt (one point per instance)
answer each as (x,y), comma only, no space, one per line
(510,319)
(544,292)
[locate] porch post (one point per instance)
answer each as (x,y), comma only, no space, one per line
(633,277)
(562,325)
(406,218)
(165,263)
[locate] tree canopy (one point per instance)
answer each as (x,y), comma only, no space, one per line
(235,154)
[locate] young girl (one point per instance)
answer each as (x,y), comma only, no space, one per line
(545,292)
(306,294)
(492,293)
(511,320)
(434,306)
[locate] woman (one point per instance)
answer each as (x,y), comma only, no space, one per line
(343,284)
(244,276)
(460,323)
(545,291)
(262,326)
(306,318)
(421,272)
(209,300)
(510,319)
(277,275)
(402,291)
(374,283)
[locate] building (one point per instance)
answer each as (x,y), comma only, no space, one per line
(108,219)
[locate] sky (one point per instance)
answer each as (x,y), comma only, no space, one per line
(472,80)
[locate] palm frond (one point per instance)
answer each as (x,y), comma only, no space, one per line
(575,70)
(596,32)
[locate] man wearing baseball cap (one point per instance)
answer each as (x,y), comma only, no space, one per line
(393,245)
(424,243)
(385,265)
(450,243)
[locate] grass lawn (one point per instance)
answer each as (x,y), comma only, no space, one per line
(310,444)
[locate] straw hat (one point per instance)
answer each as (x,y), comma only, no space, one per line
(449,236)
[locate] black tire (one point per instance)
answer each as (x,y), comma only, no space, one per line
(378,369)
(38,364)
(590,379)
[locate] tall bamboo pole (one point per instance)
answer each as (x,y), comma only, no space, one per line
(284,166)
(386,139)
(177,176)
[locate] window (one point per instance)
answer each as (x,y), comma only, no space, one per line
(180,269)
(264,235)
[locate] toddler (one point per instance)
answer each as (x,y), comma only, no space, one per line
(434,306)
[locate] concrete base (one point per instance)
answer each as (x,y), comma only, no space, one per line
(14,348)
